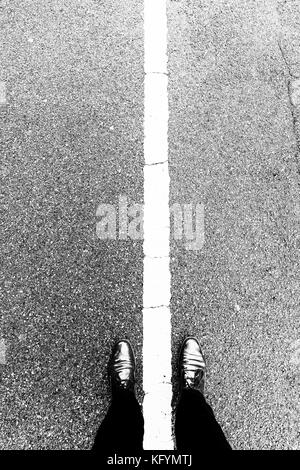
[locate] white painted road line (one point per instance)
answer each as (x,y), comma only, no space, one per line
(156,118)
(157,384)
(156,211)
(157,278)
(155,36)
(156,283)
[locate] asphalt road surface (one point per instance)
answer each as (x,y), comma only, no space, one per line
(71,110)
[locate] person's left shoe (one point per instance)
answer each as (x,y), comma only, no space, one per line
(122,367)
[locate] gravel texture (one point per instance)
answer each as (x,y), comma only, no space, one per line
(71,110)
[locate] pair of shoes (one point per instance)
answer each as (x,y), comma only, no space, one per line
(191,366)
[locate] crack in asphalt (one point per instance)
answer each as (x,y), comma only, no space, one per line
(292,106)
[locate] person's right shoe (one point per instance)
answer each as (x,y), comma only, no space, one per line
(191,365)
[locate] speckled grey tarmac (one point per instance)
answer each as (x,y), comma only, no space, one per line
(233,147)
(72,138)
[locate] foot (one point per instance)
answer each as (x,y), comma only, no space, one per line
(122,367)
(192,365)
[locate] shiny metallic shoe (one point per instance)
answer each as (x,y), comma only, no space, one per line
(192,365)
(122,367)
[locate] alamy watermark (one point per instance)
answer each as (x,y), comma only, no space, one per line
(125,221)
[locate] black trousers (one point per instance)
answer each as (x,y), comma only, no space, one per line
(196,428)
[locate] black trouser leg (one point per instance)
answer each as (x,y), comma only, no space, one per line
(196,428)
(122,429)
